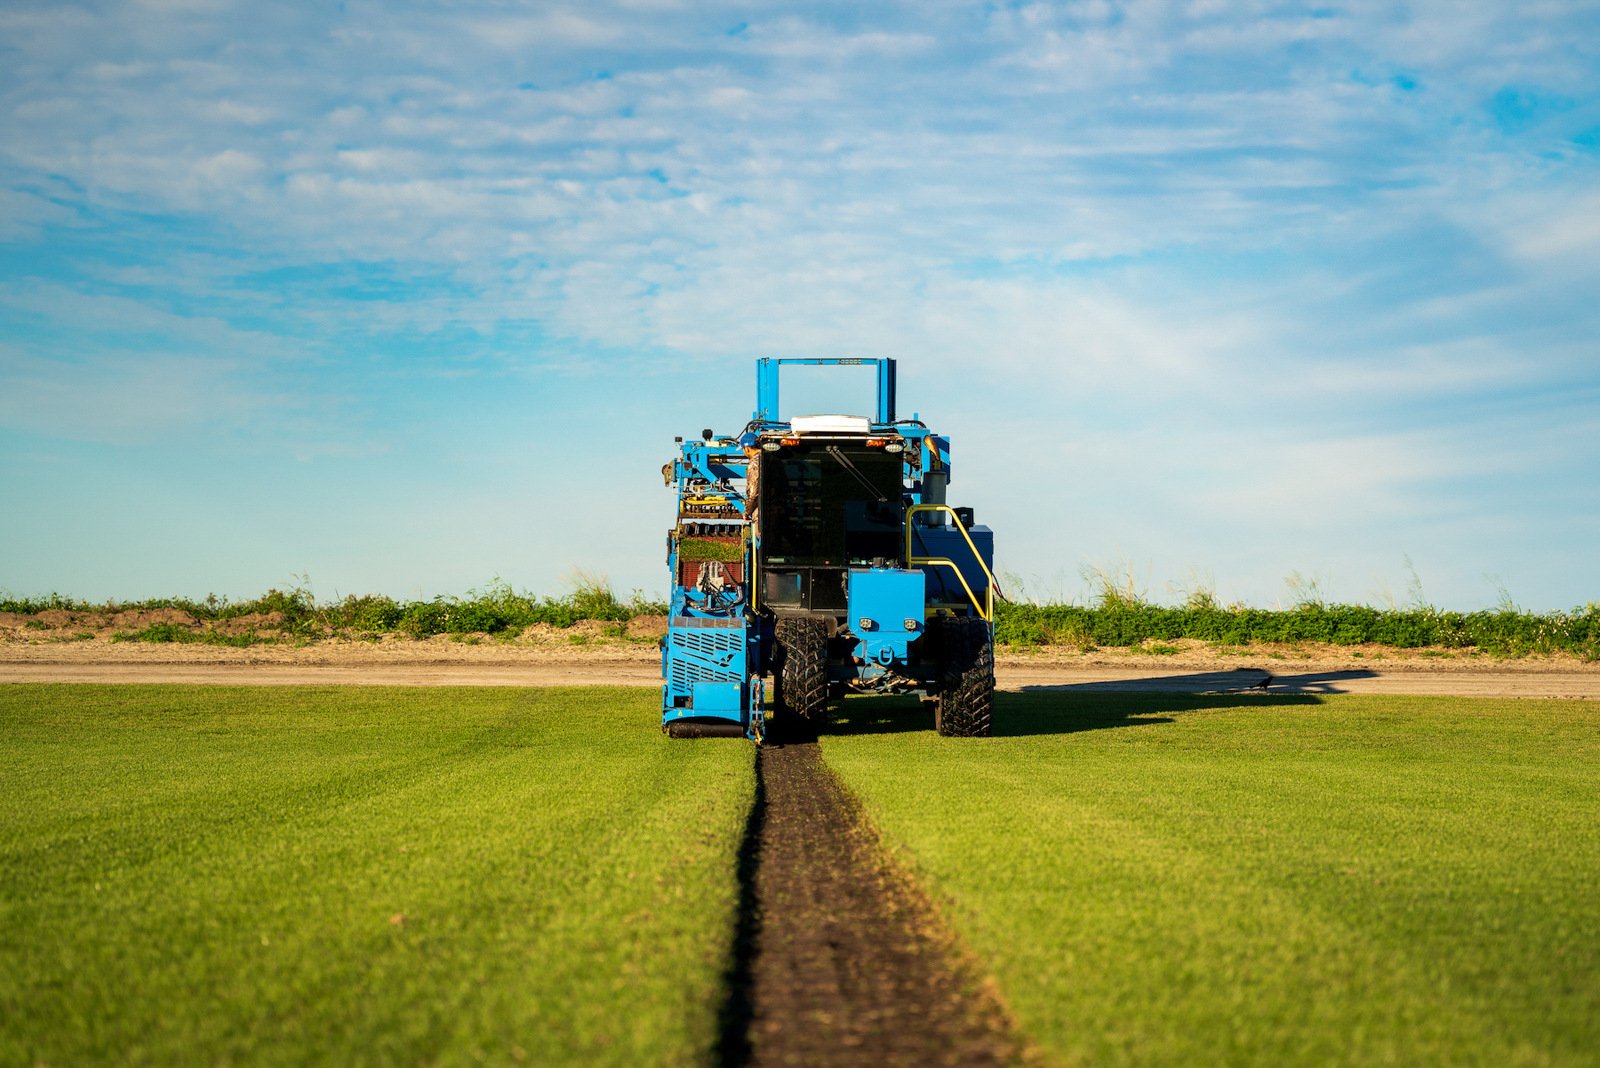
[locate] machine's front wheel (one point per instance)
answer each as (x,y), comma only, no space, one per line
(965,705)
(801,693)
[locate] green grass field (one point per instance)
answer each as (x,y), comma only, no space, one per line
(360,876)
(354,875)
(1265,880)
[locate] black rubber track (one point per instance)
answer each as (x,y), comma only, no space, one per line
(841,960)
(801,698)
(965,705)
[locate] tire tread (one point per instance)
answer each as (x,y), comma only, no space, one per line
(801,694)
(965,707)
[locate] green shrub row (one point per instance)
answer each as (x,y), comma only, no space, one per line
(493,610)
(1505,632)
(1121,622)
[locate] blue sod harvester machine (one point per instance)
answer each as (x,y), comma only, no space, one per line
(820,552)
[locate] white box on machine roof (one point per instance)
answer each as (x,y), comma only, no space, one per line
(830,424)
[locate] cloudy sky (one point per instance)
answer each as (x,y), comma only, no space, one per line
(406,297)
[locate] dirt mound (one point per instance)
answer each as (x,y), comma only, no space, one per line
(251,621)
(146,617)
(56,617)
(44,624)
(647,626)
(583,630)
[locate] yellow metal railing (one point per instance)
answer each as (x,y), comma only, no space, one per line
(986,609)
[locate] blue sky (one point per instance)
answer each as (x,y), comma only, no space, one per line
(406,297)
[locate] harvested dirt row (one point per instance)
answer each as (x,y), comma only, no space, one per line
(841,960)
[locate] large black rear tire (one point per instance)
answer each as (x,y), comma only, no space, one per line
(800,694)
(964,707)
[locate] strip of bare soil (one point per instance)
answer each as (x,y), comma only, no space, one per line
(841,961)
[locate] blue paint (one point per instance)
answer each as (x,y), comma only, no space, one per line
(843,489)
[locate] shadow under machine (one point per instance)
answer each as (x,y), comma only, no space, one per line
(818,553)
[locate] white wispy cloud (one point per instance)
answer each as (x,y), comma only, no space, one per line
(1137,213)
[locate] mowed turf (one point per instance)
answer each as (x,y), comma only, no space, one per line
(1166,880)
(361,876)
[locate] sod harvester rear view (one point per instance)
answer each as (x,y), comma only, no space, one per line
(819,551)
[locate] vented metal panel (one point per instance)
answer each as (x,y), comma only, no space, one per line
(705,655)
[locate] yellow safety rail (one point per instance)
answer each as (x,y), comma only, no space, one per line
(986,610)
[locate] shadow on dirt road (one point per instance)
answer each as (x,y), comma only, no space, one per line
(1073,707)
(1250,681)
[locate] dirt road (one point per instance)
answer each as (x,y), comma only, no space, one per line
(332,667)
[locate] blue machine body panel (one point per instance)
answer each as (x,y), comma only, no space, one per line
(886,612)
(706,666)
(947,542)
(724,700)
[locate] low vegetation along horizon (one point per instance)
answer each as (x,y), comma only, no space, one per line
(377,875)
(1118,618)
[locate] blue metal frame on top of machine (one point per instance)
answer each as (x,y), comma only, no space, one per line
(818,552)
